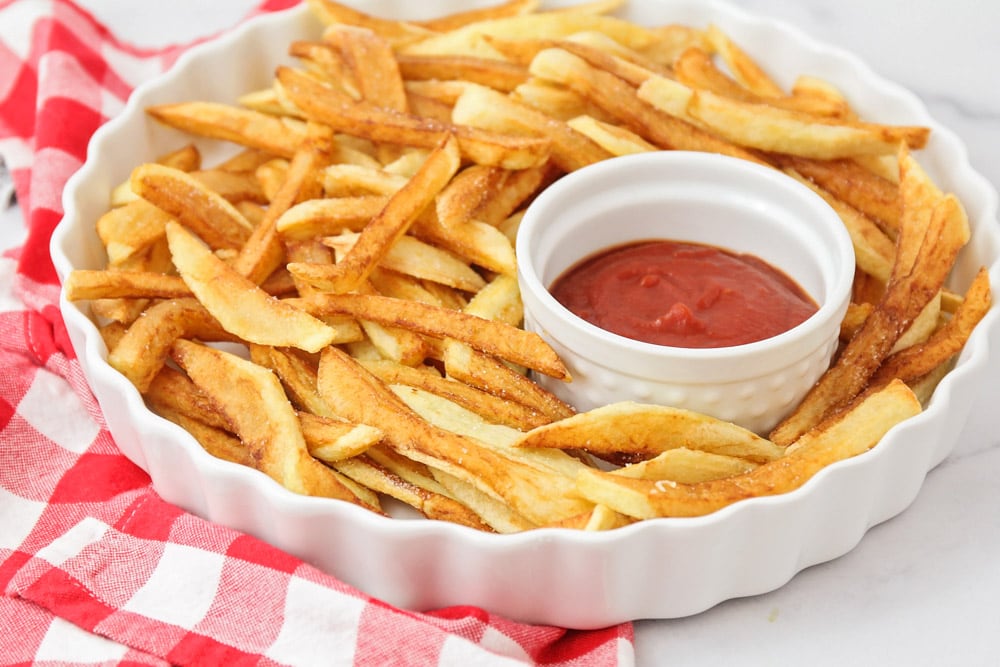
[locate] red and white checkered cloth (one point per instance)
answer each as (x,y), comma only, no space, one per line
(95,568)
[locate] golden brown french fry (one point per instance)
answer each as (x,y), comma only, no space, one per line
(391,223)
(192,204)
(432,504)
(479,243)
(489,336)
(171,390)
(695,68)
(491,407)
(240,306)
(768,128)
(497,74)
(413,257)
(277,135)
(460,19)
(327,216)
(848,434)
(84,284)
(145,347)
(855,185)
(333,440)
(397,32)
(612,138)
(263,251)
(687,466)
(370,59)
(743,67)
(549,25)
(874,252)
(916,361)
(130,229)
(630,432)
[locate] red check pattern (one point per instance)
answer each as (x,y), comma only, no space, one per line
(95,568)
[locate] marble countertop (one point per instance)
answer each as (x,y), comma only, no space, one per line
(922,588)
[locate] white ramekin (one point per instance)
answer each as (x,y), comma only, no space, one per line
(701,198)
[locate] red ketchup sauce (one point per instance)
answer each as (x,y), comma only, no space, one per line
(683,295)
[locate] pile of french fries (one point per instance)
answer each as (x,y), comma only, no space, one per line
(335,304)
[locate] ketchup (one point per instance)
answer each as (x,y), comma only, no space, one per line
(683,295)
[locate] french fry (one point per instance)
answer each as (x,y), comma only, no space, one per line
(379,235)
(494,408)
(630,432)
(432,504)
(914,362)
(412,257)
(744,68)
(497,74)
(687,466)
(192,204)
(85,284)
(145,347)
(327,216)
(461,19)
(768,128)
(492,375)
(489,336)
(849,434)
(241,307)
(551,25)
(277,135)
(397,32)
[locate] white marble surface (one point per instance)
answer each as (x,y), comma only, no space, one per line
(923,588)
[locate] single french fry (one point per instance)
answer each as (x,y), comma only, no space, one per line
(460,19)
(277,135)
(849,434)
(913,363)
(630,432)
(84,284)
(240,306)
(192,204)
(397,32)
(619,99)
(489,336)
(327,216)
(145,347)
(391,223)
(412,257)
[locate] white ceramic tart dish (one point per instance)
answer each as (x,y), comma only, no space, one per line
(663,568)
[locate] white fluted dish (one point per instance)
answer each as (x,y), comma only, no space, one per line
(655,569)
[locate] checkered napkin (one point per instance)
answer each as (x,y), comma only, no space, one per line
(95,568)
